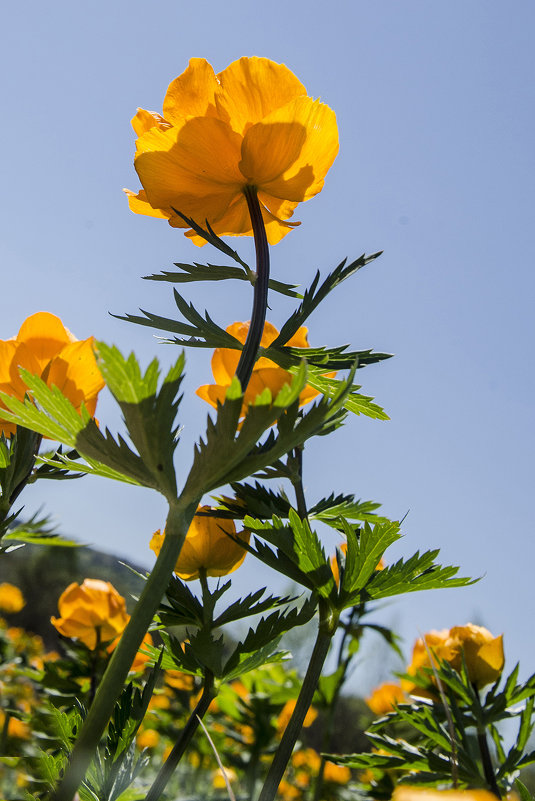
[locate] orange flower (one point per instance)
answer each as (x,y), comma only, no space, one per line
(179,680)
(11,598)
(207,546)
(404,792)
(251,125)
(482,652)
(384,698)
(265,372)
(147,738)
(47,349)
(286,714)
(92,612)
(337,774)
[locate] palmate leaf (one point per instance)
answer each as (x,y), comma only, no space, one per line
(364,552)
(252,604)
(254,500)
(314,295)
(38,531)
(218,272)
(224,457)
(298,552)
(149,413)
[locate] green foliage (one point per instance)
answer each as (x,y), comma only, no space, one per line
(149,414)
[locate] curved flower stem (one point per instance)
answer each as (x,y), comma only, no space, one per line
(326,630)
(258,316)
(177,524)
(169,766)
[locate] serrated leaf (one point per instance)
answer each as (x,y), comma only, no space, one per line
(218,272)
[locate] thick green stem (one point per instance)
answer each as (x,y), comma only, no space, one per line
(297,482)
(178,522)
(326,630)
(258,316)
(169,766)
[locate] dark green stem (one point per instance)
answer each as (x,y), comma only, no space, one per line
(177,752)
(178,522)
(326,630)
(343,662)
(297,481)
(258,316)
(488,770)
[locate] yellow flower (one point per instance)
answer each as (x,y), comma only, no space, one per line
(404,792)
(16,728)
(11,598)
(179,680)
(384,698)
(286,713)
(265,372)
(147,738)
(218,778)
(92,612)
(251,125)
(483,654)
(207,546)
(337,774)
(47,349)
(140,659)
(306,758)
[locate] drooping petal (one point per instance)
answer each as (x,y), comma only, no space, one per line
(289,153)
(191,167)
(140,205)
(252,88)
(144,120)
(45,335)
(192,94)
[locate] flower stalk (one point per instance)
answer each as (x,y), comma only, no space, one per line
(258,316)
(327,628)
(110,688)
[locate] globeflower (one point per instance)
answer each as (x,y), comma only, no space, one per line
(208,546)
(385,698)
(47,349)
(265,372)
(482,652)
(11,598)
(92,612)
(250,126)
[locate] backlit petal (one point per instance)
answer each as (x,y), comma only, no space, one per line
(289,153)
(74,371)
(179,167)
(144,120)
(45,335)
(192,94)
(254,87)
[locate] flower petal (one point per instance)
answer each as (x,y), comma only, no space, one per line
(144,120)
(45,335)
(74,371)
(289,153)
(192,94)
(191,168)
(254,87)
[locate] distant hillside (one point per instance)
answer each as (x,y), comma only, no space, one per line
(43,572)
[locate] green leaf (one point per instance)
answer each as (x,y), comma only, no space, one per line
(38,531)
(330,510)
(523,791)
(218,272)
(364,553)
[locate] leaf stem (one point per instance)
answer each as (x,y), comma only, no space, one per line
(258,316)
(326,630)
(177,524)
(177,752)
(488,770)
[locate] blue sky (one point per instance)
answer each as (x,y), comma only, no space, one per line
(435,110)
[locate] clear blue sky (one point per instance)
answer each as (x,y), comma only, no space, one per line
(435,109)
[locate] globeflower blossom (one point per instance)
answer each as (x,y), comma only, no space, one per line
(92,612)
(251,125)
(208,546)
(265,372)
(47,349)
(11,598)
(482,653)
